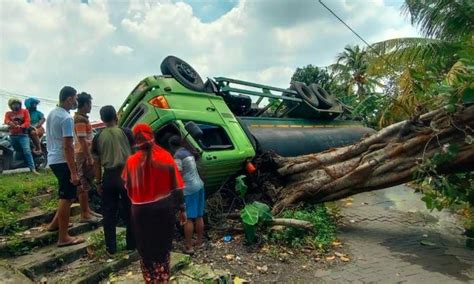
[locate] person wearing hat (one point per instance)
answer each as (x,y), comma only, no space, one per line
(18,120)
(194,196)
(36,130)
(155,187)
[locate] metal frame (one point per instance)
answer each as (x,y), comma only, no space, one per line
(266,92)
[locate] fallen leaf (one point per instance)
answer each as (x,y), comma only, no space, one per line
(345,259)
(229,256)
(317,259)
(330,257)
(262,269)
(338,254)
(336,243)
(348,204)
(90,251)
(238,280)
(129,273)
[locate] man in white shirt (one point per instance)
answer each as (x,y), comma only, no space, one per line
(60,137)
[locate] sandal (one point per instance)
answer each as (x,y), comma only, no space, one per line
(56,229)
(74,241)
(188,252)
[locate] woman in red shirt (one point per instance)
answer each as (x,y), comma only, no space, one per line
(155,188)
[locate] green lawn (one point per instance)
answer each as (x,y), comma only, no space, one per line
(18,190)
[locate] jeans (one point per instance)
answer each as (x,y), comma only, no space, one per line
(22,143)
(115,200)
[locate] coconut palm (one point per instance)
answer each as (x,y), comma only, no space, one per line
(448,27)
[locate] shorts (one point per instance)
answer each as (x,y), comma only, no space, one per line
(85,172)
(195,204)
(66,189)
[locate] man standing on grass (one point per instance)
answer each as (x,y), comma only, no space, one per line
(60,137)
(84,162)
(111,149)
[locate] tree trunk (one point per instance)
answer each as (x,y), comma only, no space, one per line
(386,158)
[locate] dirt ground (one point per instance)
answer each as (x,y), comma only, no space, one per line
(257,263)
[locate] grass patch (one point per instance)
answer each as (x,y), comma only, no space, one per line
(320,239)
(17,192)
(97,245)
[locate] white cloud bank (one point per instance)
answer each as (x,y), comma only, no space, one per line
(106,47)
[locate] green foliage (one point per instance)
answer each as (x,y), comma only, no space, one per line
(17,192)
(310,74)
(240,186)
(319,216)
(252,215)
(97,244)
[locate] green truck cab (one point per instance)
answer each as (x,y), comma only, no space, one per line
(235,127)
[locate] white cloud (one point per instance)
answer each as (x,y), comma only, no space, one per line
(122,49)
(106,47)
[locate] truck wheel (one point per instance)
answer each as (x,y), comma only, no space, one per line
(326,101)
(182,72)
(305,93)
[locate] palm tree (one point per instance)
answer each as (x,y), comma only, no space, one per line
(350,69)
(448,27)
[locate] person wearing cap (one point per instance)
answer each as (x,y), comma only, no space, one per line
(194,196)
(36,130)
(110,149)
(155,187)
(18,120)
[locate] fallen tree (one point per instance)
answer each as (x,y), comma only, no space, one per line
(389,157)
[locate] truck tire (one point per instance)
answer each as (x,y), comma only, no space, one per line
(326,101)
(305,93)
(182,72)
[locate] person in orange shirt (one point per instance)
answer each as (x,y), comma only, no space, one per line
(155,188)
(84,161)
(18,119)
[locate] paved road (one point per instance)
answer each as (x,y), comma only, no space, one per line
(392,238)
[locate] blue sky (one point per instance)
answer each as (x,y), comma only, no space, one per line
(105,47)
(210,10)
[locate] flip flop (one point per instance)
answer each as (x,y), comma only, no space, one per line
(56,229)
(75,241)
(92,220)
(188,251)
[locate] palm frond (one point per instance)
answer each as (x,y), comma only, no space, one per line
(442,19)
(396,54)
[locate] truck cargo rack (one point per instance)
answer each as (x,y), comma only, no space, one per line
(288,99)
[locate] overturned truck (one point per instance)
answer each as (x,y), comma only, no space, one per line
(229,122)
(300,140)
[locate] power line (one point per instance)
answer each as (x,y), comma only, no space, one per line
(357,35)
(8,94)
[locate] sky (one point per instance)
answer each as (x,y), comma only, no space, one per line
(106,47)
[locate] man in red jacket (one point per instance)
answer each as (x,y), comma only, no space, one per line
(18,119)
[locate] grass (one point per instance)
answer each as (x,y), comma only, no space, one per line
(97,245)
(321,219)
(17,192)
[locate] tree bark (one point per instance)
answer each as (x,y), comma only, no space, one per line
(387,158)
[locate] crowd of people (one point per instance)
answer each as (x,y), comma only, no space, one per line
(150,188)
